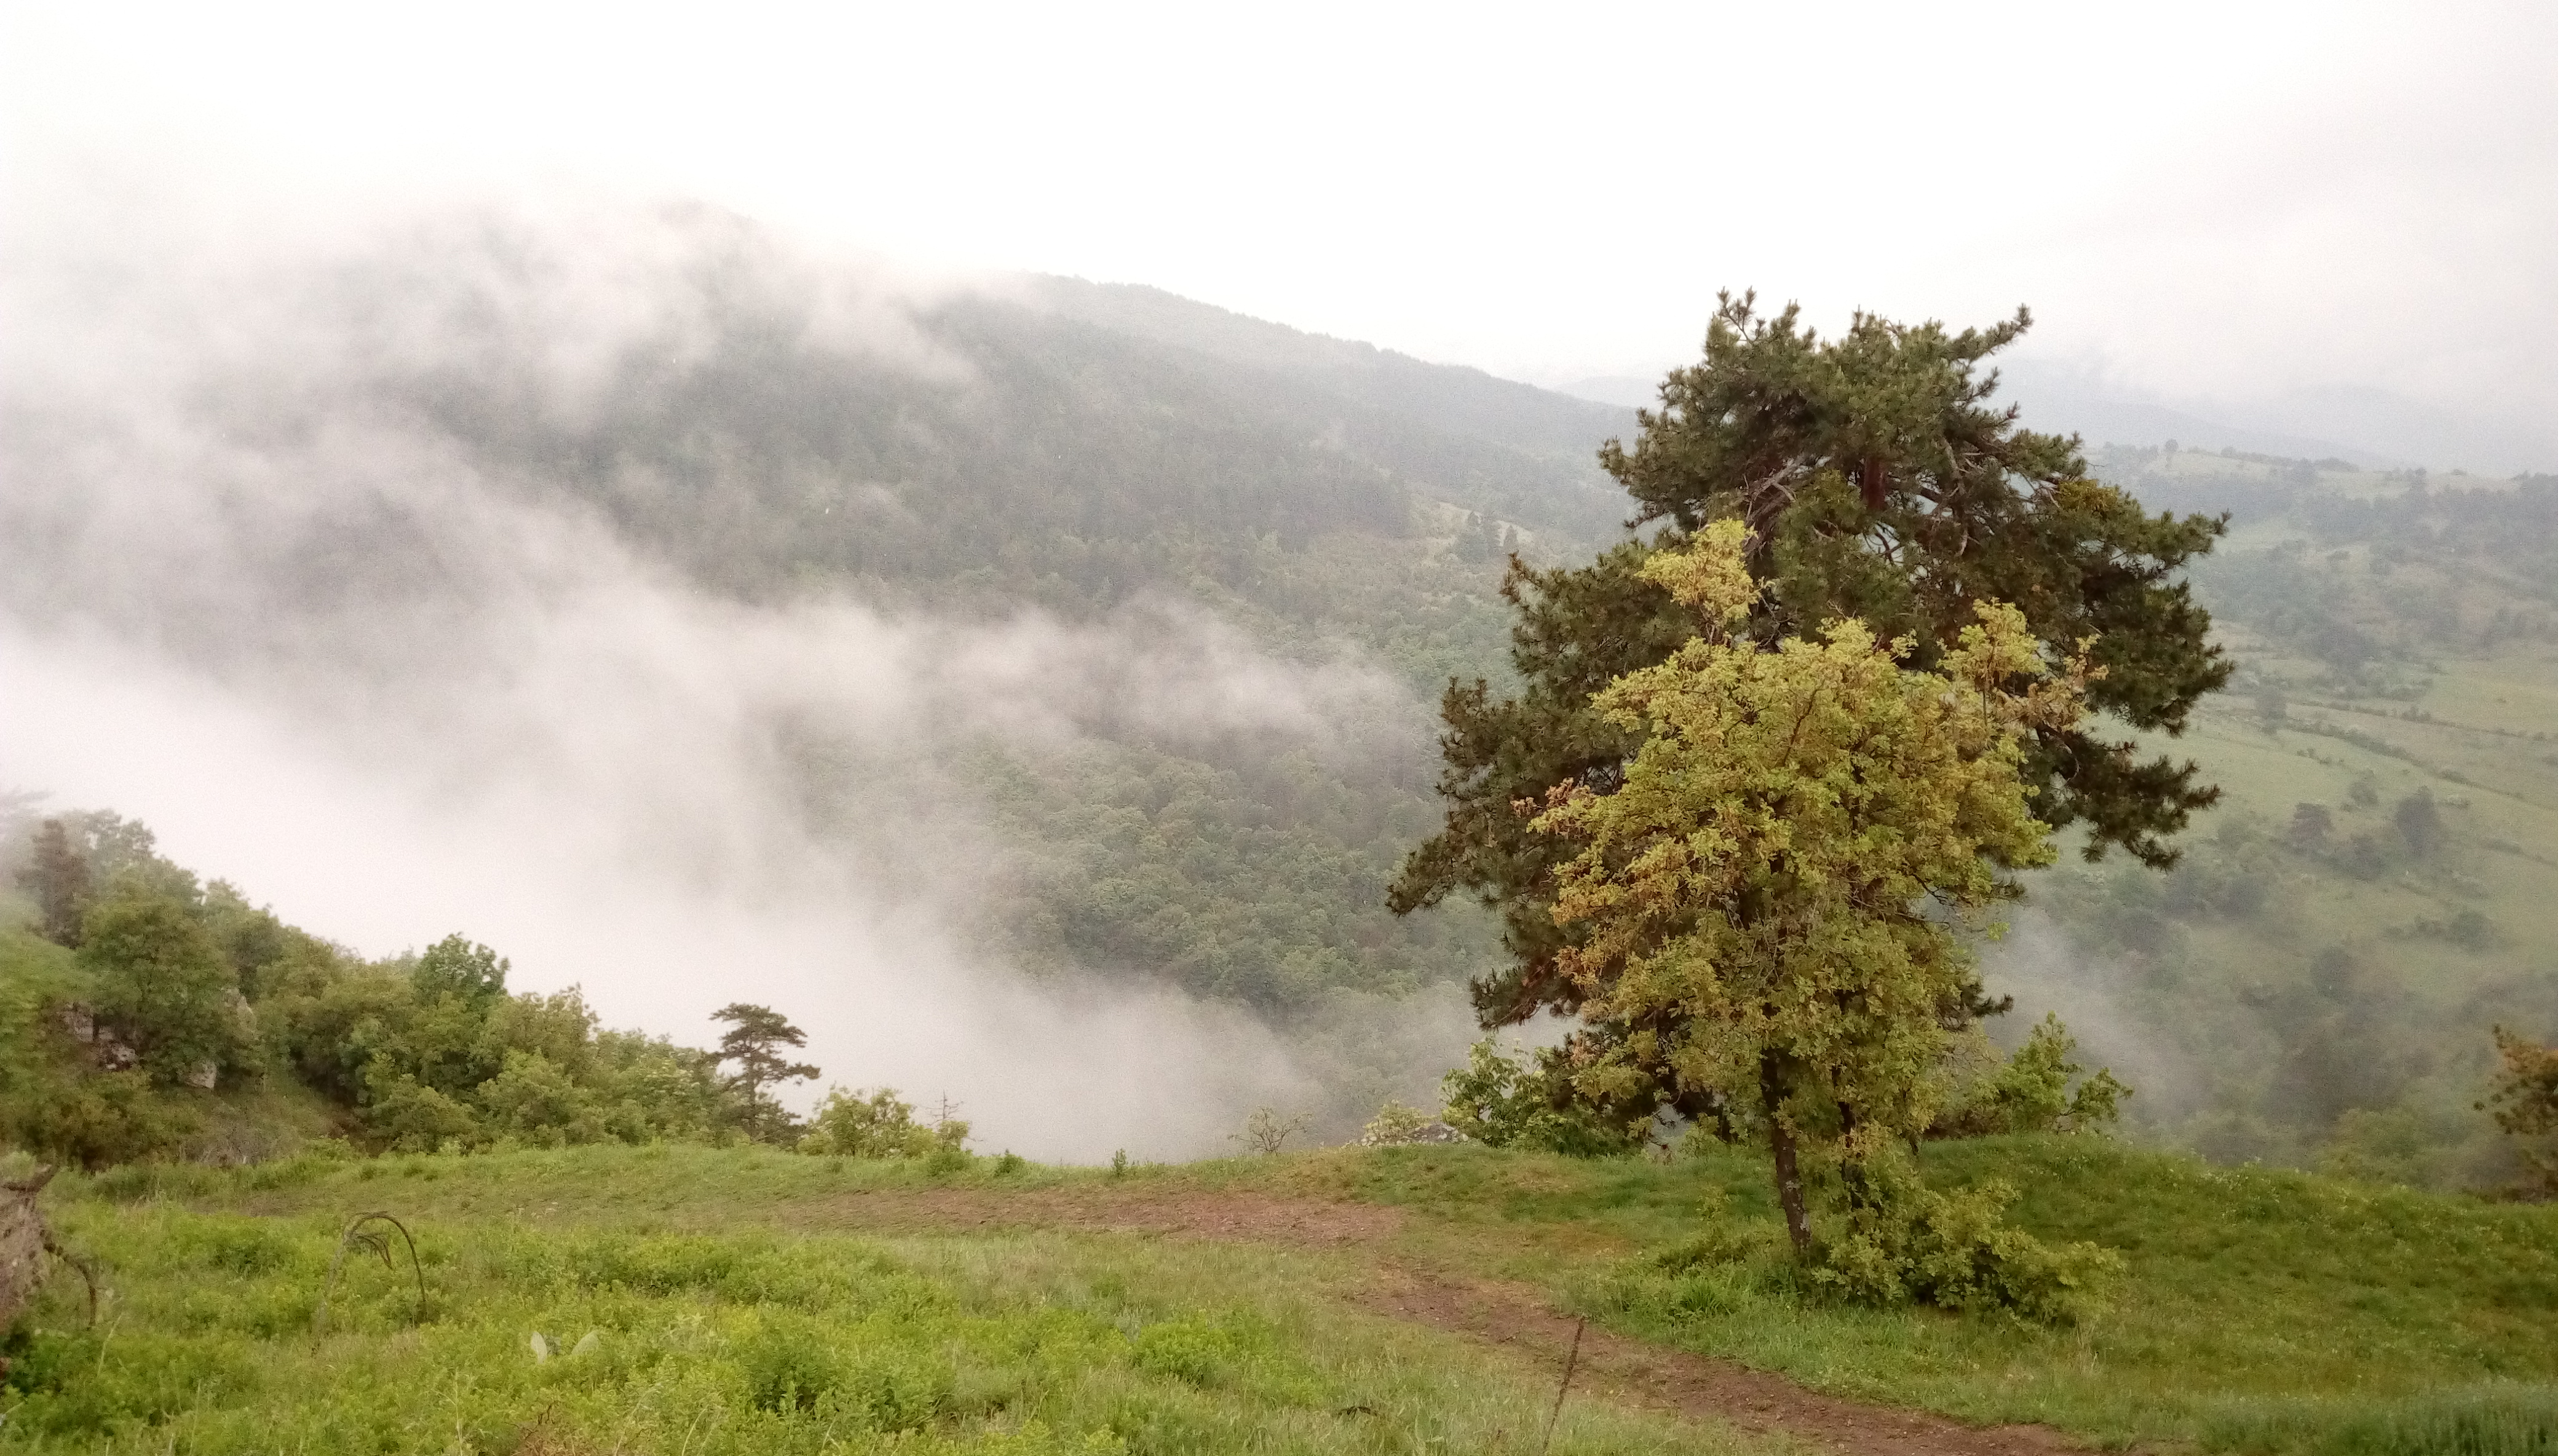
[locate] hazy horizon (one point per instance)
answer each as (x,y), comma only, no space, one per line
(2326,221)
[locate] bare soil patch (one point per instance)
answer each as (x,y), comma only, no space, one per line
(1504,1315)
(1616,1368)
(1244,1217)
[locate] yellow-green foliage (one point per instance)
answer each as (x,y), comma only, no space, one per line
(1898,1239)
(1756,885)
(1981,1093)
(1528,1101)
(1754,904)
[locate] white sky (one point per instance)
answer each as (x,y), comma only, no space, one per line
(2218,200)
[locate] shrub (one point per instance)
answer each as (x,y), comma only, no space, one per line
(879,1124)
(1501,1100)
(410,1118)
(2030,1092)
(532,1100)
(1186,1350)
(892,1388)
(787,1367)
(2526,1104)
(1396,1125)
(1898,1241)
(101,1118)
(1268,1130)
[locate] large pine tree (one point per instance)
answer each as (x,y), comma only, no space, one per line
(1877,481)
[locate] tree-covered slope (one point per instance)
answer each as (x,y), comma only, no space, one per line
(1047,442)
(480,432)
(2318,977)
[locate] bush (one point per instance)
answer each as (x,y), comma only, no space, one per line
(532,1100)
(1898,1241)
(2028,1091)
(1186,1350)
(879,1124)
(2526,1104)
(95,1120)
(1396,1125)
(412,1118)
(163,987)
(787,1368)
(1503,1101)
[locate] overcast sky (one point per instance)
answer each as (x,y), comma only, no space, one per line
(2213,200)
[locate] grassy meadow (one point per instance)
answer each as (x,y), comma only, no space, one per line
(2316,984)
(712,1300)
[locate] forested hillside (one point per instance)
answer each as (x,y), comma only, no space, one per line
(2316,981)
(1073,448)
(2319,979)
(1109,457)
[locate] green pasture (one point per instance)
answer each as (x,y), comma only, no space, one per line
(749,1300)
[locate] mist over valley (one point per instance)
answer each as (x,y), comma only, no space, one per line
(813,731)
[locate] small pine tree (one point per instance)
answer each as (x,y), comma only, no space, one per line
(754,1041)
(57,876)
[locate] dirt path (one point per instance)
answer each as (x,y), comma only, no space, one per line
(1504,1315)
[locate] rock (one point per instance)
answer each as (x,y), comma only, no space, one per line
(22,1240)
(106,1051)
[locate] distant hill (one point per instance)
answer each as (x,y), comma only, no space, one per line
(2316,981)
(1453,402)
(1097,455)
(1099,443)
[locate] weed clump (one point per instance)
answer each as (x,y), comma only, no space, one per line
(1191,1351)
(788,1369)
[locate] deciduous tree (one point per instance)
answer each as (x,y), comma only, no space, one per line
(162,986)
(463,968)
(2526,1104)
(1753,897)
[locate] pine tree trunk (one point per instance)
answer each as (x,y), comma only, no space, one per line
(1790,1177)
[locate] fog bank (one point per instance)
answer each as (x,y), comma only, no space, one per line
(250,600)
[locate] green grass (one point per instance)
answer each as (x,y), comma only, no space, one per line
(2264,1311)
(750,1340)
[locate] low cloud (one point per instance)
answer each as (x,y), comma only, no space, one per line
(328,656)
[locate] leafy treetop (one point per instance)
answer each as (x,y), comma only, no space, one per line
(1752,897)
(1876,481)
(462,968)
